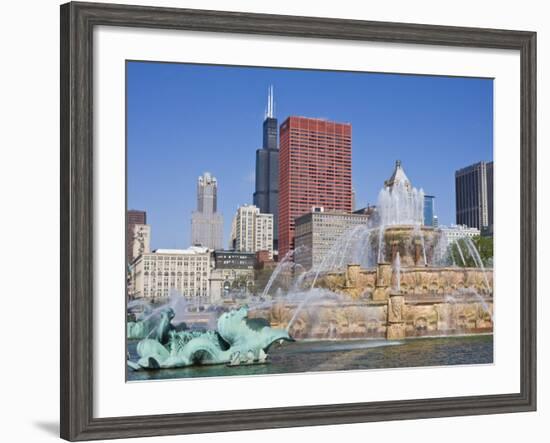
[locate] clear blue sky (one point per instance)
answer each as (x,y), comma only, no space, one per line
(186,119)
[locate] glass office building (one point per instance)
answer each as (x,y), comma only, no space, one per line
(429,201)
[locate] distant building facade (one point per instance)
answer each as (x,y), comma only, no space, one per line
(455,232)
(141,240)
(474,196)
(233,235)
(367,210)
(133,217)
(266,194)
(233,260)
(155,275)
(318,231)
(253,230)
(488,230)
(314,170)
(206,221)
(233,270)
(429,206)
(263,260)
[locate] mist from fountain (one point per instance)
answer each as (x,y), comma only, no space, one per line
(147,321)
(460,253)
(450,299)
(397,272)
(442,255)
(176,302)
(306,297)
(474,253)
(400,205)
(464,292)
(420,234)
(286,259)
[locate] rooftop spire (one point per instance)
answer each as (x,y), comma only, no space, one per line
(398,176)
(270,106)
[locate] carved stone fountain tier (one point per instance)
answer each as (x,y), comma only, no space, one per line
(415,244)
(407,293)
(431,301)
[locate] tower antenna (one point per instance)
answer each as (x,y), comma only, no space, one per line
(270,108)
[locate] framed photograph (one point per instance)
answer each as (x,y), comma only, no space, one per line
(272,221)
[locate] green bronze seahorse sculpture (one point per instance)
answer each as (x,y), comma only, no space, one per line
(238,340)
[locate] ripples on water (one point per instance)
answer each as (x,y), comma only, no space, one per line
(311,356)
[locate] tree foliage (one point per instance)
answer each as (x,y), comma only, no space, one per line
(462,256)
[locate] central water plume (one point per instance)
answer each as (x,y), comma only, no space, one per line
(400,204)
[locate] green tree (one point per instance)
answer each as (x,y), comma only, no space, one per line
(485,247)
(460,251)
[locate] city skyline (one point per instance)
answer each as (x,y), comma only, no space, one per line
(180,125)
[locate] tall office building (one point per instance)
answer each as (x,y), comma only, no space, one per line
(206,221)
(133,217)
(314,170)
(253,230)
(266,195)
(474,196)
(429,206)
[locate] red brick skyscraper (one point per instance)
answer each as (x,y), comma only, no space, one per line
(314,170)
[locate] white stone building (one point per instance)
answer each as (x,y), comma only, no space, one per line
(233,271)
(253,230)
(141,240)
(454,232)
(157,274)
(263,233)
(223,280)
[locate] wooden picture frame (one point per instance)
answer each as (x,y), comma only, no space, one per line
(77,23)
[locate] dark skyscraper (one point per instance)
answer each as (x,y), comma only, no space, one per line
(266,196)
(474,196)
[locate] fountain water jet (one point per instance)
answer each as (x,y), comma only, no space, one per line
(286,259)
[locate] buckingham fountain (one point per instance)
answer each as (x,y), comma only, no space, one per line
(393,278)
(390,279)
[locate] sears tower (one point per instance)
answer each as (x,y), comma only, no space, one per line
(266,196)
